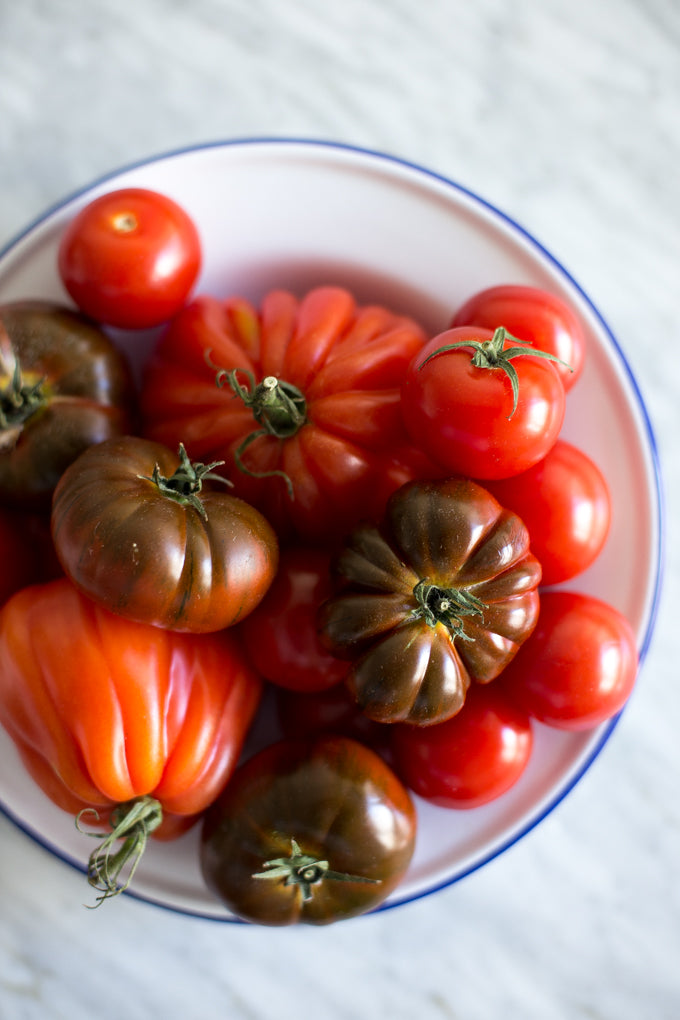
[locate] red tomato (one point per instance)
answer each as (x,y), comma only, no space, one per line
(460,407)
(110,715)
(564,502)
(130,258)
(471,758)
(578,667)
(531,314)
(307,411)
(310,831)
(280,635)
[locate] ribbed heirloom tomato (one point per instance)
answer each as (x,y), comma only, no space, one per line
(138,724)
(135,530)
(442,593)
(300,398)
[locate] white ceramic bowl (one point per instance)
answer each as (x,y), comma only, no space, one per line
(281,213)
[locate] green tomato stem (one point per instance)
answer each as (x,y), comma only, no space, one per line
(304,871)
(186,483)
(494,354)
(131,825)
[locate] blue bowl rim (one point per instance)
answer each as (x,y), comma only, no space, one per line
(653,448)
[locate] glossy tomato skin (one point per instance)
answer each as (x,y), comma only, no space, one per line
(149,558)
(443,592)
(462,415)
(104,710)
(469,760)
(340,803)
(130,258)
(280,635)
(63,387)
(534,315)
(565,503)
(345,362)
(579,666)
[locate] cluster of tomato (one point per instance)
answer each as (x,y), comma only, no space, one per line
(307,500)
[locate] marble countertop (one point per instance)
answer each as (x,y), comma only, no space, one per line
(564,115)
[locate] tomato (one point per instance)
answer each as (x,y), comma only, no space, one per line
(138,724)
(564,502)
(63,386)
(280,634)
(444,592)
(533,315)
(134,530)
(579,666)
(468,760)
(310,831)
(461,408)
(130,258)
(307,411)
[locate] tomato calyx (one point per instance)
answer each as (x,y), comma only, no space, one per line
(132,822)
(20,400)
(304,871)
(447,606)
(278,407)
(185,484)
(493,354)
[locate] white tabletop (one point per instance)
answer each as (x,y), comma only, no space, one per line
(564,115)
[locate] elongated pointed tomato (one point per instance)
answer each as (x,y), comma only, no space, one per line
(300,398)
(110,715)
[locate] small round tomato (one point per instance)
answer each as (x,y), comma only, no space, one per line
(578,667)
(533,315)
(482,405)
(135,531)
(130,258)
(280,635)
(470,759)
(300,397)
(564,502)
(310,831)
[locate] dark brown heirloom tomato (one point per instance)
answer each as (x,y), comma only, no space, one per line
(135,531)
(309,831)
(442,593)
(63,386)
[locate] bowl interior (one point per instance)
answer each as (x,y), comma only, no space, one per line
(295,214)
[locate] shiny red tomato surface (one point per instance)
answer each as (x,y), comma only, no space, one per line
(532,314)
(578,667)
(130,258)
(564,502)
(470,759)
(464,416)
